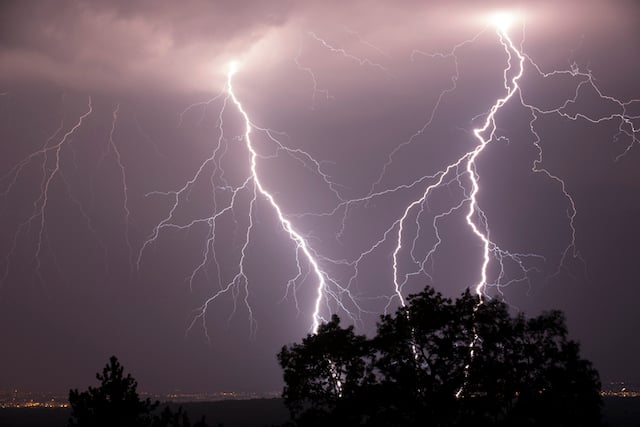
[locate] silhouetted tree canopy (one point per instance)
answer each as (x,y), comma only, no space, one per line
(117,403)
(443,362)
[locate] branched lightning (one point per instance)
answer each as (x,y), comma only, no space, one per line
(112,147)
(314,80)
(301,244)
(52,148)
(461,175)
(254,187)
(241,200)
(461,170)
(50,162)
(464,169)
(365,42)
(342,52)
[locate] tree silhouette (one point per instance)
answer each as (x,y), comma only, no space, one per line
(326,374)
(117,403)
(443,363)
(421,354)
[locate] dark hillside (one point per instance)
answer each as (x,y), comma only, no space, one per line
(617,412)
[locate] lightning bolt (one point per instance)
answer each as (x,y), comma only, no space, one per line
(49,173)
(342,52)
(462,172)
(305,257)
(301,244)
(112,147)
(489,129)
(314,80)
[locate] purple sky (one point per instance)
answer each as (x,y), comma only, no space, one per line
(346,90)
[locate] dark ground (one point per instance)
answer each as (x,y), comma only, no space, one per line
(618,412)
(230,413)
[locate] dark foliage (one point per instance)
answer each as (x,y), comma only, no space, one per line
(439,362)
(327,375)
(117,403)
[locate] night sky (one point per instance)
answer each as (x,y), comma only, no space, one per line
(126,194)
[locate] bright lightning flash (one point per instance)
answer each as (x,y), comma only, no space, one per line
(300,242)
(503,20)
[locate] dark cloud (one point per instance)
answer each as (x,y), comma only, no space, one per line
(185,45)
(102,45)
